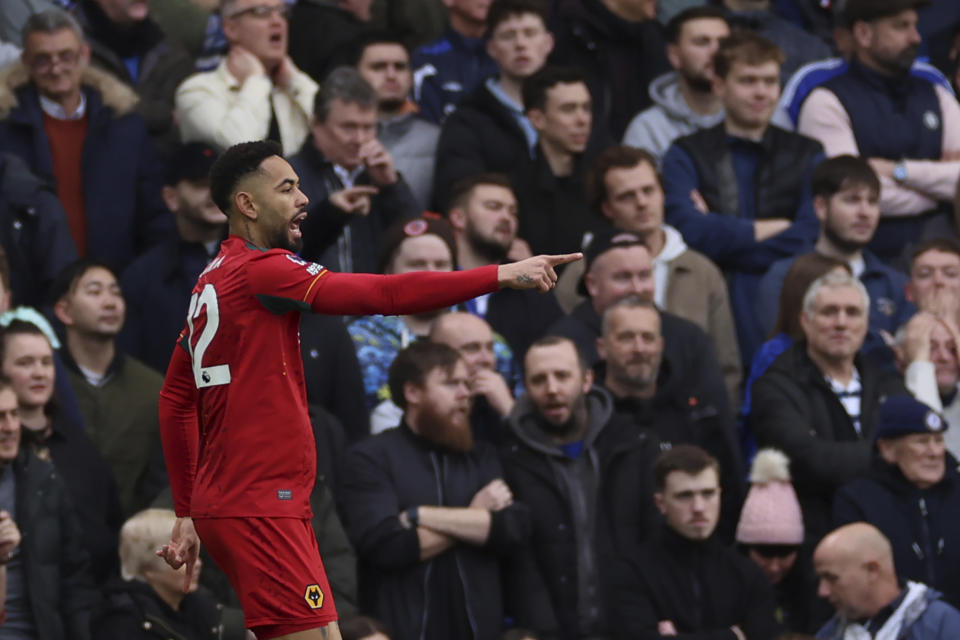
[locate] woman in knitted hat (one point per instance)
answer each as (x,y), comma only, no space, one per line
(770,532)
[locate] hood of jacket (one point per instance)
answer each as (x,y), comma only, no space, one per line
(116,95)
(665,93)
(525,424)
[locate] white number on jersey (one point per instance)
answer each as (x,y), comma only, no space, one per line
(219,373)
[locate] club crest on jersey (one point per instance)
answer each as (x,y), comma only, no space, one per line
(313,596)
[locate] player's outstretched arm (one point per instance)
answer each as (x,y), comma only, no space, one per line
(533,273)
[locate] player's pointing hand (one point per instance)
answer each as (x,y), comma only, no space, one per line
(533,273)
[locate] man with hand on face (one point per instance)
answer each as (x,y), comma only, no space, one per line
(427,509)
(256,93)
(682,581)
(346,170)
(492,395)
(927,349)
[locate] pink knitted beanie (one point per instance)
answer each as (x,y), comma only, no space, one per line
(771,512)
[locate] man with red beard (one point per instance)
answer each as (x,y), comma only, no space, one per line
(427,509)
(584,472)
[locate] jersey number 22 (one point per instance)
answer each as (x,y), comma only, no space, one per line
(213,375)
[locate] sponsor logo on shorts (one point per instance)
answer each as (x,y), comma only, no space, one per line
(314,596)
(284,494)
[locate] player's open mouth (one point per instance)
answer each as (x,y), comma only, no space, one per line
(295,224)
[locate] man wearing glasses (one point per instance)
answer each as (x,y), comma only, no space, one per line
(74,126)
(256,93)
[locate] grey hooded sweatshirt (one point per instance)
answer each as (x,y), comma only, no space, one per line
(579,478)
(656,127)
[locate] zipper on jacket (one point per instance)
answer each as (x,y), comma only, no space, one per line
(426,575)
(456,559)
(927,546)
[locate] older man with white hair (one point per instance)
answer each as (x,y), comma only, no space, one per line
(818,401)
(912,494)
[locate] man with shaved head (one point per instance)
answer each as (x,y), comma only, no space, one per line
(855,566)
(474,339)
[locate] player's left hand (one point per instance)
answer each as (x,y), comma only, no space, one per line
(183,548)
(533,273)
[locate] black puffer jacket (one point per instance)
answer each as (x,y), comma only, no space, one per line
(56,564)
(796,411)
(922,525)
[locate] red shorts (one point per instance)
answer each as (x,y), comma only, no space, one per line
(274,566)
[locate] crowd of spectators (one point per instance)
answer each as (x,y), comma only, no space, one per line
(736,418)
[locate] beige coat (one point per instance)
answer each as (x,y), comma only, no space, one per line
(213,107)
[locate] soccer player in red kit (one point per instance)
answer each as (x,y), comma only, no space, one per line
(233,408)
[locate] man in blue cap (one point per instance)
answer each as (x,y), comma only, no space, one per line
(912,494)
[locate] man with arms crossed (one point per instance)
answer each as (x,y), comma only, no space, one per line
(233,409)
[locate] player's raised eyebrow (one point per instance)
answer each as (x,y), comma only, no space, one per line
(285,182)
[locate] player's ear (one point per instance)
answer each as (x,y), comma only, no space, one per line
(243,202)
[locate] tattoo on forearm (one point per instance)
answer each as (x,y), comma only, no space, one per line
(524,279)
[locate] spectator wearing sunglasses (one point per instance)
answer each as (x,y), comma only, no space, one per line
(770,533)
(257,92)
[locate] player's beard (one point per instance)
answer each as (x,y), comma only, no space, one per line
(282,240)
(446,430)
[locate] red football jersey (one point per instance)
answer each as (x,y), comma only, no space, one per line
(233,410)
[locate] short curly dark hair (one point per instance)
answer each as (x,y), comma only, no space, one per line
(236,163)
